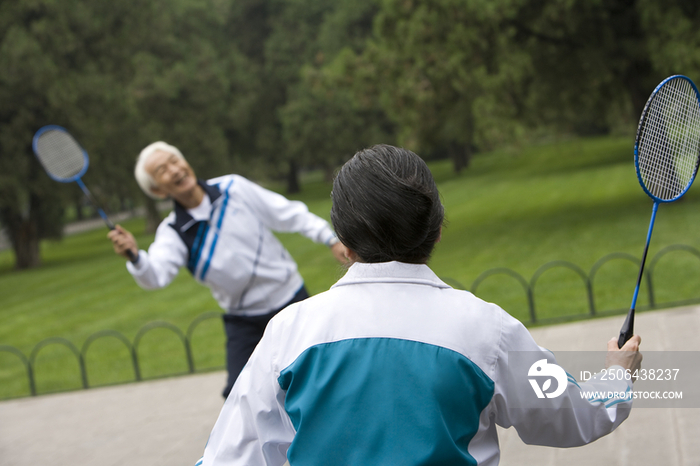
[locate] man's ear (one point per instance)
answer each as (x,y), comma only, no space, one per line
(351,255)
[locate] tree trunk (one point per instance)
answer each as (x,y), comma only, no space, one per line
(26,245)
(124,204)
(24,236)
(460,154)
(79,215)
(152,216)
(460,149)
(328,173)
(293,178)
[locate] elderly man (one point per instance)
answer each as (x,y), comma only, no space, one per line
(221,230)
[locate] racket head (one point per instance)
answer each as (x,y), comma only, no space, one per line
(60,154)
(667,147)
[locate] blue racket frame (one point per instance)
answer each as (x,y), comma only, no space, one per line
(77,177)
(639,129)
(35,140)
(628,327)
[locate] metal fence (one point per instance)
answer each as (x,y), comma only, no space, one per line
(587,280)
(132,347)
(528,286)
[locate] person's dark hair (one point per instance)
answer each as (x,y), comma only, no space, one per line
(386,206)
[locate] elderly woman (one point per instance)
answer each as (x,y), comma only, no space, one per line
(391,365)
(221,230)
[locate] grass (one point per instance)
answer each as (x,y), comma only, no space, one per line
(574,201)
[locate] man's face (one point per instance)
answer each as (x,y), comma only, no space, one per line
(173,176)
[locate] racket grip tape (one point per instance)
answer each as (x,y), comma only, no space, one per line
(133,257)
(627,329)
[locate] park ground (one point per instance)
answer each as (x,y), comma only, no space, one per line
(167,421)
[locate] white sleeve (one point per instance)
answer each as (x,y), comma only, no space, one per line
(569,419)
(280,214)
(253,427)
(159,266)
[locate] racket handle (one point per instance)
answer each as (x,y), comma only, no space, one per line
(134,258)
(627,329)
(106,219)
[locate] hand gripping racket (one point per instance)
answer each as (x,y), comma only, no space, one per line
(65,161)
(666,156)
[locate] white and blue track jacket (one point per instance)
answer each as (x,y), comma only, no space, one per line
(233,250)
(392,366)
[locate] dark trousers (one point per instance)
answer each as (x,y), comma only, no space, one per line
(242,336)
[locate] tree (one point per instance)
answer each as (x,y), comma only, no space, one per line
(591,62)
(285,40)
(118,76)
(673,36)
(323,123)
(282,85)
(434,61)
(325,120)
(37,42)
(462,75)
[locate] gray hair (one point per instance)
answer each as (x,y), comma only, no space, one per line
(386,206)
(146,181)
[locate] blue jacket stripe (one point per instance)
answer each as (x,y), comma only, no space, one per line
(205,269)
(572,379)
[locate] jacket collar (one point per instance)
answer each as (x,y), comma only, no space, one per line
(183,220)
(391,272)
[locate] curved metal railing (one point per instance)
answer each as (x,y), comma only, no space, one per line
(528,287)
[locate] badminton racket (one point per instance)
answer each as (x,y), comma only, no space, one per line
(66,161)
(666,156)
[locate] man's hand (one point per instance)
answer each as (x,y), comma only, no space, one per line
(339,252)
(123,241)
(628,356)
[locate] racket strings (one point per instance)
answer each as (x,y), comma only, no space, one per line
(60,154)
(669,143)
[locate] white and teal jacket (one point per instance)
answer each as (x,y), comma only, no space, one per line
(391,366)
(230,248)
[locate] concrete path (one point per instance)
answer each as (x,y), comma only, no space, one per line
(162,422)
(167,422)
(650,436)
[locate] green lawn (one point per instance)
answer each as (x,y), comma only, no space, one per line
(574,201)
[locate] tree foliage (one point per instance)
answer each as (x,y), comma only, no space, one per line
(277,86)
(117,76)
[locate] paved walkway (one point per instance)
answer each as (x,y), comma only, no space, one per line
(167,422)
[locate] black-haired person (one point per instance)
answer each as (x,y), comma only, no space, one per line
(221,230)
(391,365)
